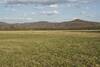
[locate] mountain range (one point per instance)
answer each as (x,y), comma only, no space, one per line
(76,24)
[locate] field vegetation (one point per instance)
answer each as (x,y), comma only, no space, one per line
(49,49)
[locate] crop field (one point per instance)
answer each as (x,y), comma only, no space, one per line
(49,49)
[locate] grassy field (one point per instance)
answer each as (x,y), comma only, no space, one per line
(49,49)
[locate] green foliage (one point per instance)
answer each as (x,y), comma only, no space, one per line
(49,49)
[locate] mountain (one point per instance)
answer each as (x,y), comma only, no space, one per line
(3,23)
(81,24)
(70,25)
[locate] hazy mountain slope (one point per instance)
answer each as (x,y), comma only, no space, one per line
(74,24)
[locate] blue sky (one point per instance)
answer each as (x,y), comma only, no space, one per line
(48,10)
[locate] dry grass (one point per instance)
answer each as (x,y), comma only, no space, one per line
(49,49)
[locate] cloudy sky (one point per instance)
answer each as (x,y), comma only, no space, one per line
(49,10)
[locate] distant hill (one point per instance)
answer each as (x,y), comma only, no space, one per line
(3,23)
(81,24)
(76,24)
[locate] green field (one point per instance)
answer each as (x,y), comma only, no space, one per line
(49,49)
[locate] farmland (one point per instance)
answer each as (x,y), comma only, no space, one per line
(49,49)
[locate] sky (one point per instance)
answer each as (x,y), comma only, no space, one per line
(49,10)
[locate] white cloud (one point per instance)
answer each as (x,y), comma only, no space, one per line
(44,2)
(53,12)
(29,18)
(69,5)
(33,13)
(13,9)
(53,5)
(72,0)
